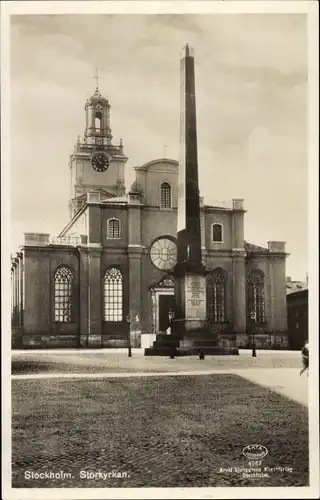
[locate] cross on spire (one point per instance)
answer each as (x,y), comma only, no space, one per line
(97,78)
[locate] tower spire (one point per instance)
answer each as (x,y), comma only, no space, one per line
(97,78)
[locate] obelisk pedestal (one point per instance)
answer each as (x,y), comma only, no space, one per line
(190,323)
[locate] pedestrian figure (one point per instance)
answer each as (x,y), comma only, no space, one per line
(254,352)
(305,358)
(201,355)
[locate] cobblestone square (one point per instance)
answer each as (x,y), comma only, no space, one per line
(168,431)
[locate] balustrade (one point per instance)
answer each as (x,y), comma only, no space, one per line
(66,240)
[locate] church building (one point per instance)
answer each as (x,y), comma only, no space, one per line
(106,278)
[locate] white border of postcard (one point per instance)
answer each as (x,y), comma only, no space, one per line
(309,7)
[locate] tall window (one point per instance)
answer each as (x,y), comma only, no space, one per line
(216,232)
(216,296)
(113,295)
(255,297)
(63,284)
(113,228)
(165,195)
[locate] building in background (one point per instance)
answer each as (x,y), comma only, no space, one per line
(108,273)
(295,286)
(298,312)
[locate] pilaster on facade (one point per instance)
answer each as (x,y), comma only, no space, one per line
(280,304)
(239,290)
(135,293)
(270,295)
(204,254)
(134,225)
(84,316)
(202,224)
(94,296)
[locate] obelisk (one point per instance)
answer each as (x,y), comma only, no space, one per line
(190,281)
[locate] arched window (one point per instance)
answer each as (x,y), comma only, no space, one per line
(63,287)
(255,297)
(113,295)
(113,228)
(216,231)
(165,195)
(98,120)
(216,296)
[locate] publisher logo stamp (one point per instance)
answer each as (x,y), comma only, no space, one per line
(255,451)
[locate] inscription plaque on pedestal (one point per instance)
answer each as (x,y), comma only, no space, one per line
(195,293)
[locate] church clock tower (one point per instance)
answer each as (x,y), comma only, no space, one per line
(96,165)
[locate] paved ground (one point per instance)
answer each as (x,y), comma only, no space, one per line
(169,422)
(278,370)
(159,431)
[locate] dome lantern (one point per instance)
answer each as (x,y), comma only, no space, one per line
(97,110)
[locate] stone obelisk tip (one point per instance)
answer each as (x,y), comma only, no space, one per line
(187,51)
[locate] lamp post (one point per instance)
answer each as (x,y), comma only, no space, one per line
(171,316)
(253,317)
(129,337)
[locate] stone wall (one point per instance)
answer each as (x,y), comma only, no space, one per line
(39,326)
(140,226)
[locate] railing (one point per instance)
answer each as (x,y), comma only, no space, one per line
(99,197)
(220,204)
(66,240)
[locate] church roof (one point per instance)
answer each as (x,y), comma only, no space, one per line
(250,247)
(149,164)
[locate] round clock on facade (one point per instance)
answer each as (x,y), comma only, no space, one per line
(163,253)
(100,162)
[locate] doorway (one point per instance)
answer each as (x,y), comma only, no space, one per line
(162,296)
(166,303)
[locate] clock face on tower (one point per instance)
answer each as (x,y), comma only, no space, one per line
(163,253)
(100,162)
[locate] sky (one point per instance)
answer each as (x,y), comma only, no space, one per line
(251,88)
